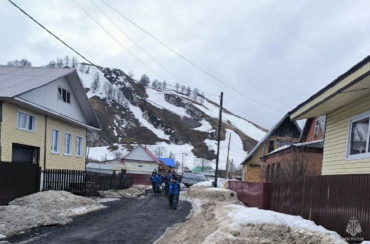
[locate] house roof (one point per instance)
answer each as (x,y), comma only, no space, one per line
(348,87)
(168,161)
(17,80)
(141,153)
(310,144)
(307,125)
(268,135)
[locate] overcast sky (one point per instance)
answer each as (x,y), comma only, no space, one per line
(276,52)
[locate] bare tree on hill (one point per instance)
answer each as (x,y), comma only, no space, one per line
(164,85)
(60,62)
(195,94)
(23,62)
(144,81)
(177,87)
(67,60)
(188,91)
(131,74)
(108,89)
(96,82)
(183,88)
(74,62)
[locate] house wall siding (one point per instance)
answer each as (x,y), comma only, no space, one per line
(336,135)
(61,161)
(10,135)
(146,167)
(47,97)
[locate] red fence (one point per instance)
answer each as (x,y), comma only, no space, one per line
(18,180)
(331,201)
(251,194)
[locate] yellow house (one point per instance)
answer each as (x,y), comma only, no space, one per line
(346,103)
(44,116)
(284,133)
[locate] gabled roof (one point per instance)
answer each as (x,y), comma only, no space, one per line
(141,153)
(268,135)
(307,126)
(168,161)
(348,87)
(17,80)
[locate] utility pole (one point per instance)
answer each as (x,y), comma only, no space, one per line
(219,138)
(227,159)
(182,163)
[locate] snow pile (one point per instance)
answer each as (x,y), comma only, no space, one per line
(220,183)
(157,98)
(218,217)
(14,219)
(134,191)
(43,209)
(58,203)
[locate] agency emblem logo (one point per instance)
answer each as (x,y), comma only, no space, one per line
(353,228)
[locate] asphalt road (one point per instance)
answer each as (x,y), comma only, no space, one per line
(135,220)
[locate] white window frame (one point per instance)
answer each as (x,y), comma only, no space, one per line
(52,141)
(351,121)
(316,131)
(70,144)
(81,146)
(28,114)
(60,98)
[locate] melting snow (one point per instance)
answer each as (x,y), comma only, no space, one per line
(206,126)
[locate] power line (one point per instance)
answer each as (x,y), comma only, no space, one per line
(117,40)
(155,60)
(51,33)
(137,43)
(189,61)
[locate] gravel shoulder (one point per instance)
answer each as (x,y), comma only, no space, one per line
(129,220)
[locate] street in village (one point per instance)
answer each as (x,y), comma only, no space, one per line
(128,220)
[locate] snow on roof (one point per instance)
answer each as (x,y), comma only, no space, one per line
(280,149)
(100,166)
(314,144)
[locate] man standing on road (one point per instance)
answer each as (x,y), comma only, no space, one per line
(154,180)
(173,193)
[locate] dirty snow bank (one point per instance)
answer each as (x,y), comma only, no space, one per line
(58,202)
(43,209)
(218,217)
(18,218)
(134,191)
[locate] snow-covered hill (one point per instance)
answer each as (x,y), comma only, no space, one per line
(167,119)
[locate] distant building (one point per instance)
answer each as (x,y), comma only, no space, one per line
(141,162)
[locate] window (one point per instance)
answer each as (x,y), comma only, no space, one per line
(55,141)
(64,95)
(271,146)
(316,131)
(68,144)
(358,145)
(78,146)
(26,121)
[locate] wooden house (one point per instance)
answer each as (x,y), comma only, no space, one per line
(285,132)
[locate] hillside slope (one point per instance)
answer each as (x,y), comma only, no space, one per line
(166,119)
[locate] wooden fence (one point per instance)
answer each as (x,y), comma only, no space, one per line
(84,183)
(331,201)
(18,180)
